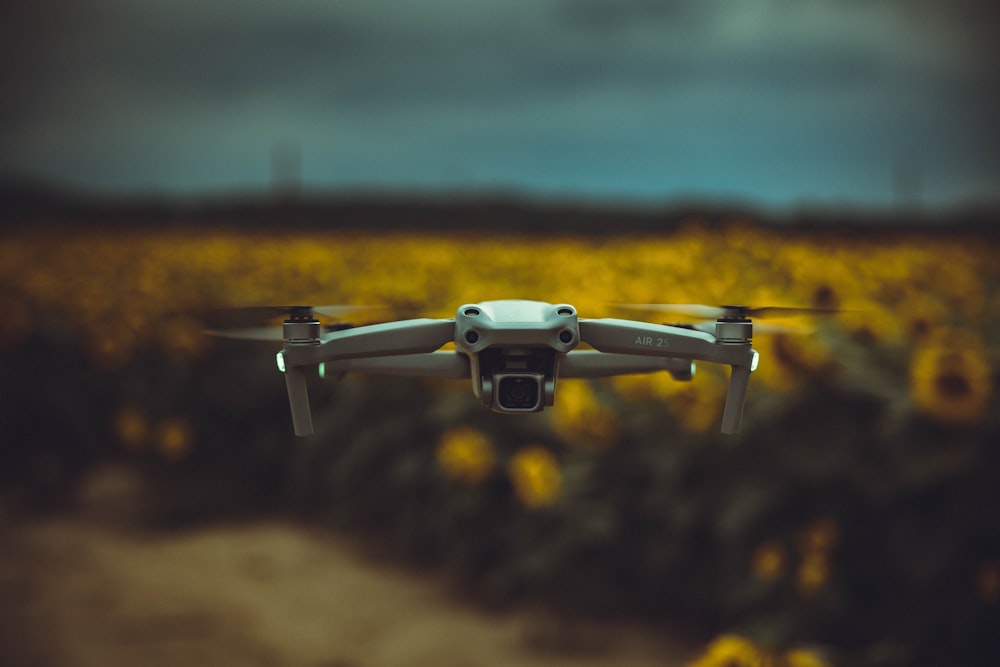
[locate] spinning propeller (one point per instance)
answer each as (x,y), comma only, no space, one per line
(297,313)
(735,313)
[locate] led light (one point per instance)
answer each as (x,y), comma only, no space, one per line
(754,361)
(694,369)
(321,369)
(280,358)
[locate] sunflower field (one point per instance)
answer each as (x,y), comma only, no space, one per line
(851,522)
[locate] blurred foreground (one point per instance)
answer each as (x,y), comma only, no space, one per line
(91,588)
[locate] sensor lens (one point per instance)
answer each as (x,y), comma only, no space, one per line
(518,392)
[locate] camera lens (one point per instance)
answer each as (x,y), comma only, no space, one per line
(518,392)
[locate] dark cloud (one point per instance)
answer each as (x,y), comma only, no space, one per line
(780,100)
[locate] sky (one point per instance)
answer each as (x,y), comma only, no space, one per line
(775,102)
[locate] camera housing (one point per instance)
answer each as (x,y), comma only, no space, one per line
(514,349)
(518,392)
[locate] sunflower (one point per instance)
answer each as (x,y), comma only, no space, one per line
(465,455)
(988,582)
(580,416)
(174,438)
(950,377)
(819,537)
(768,561)
(731,650)
(696,404)
(131,427)
(812,574)
(871,324)
(536,477)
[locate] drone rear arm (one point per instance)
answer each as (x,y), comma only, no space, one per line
(440,365)
(592,364)
(645,339)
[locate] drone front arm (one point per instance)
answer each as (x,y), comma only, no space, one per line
(645,339)
(408,337)
(419,336)
(654,340)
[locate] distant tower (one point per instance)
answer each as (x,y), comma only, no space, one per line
(286,169)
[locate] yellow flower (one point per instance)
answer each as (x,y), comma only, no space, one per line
(812,575)
(988,582)
(769,560)
(697,404)
(643,387)
(819,537)
(182,338)
(871,324)
(950,377)
(579,415)
(922,315)
(466,455)
(536,477)
(734,651)
(802,658)
(131,428)
(174,439)
(730,651)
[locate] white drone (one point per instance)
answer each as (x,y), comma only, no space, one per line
(516,350)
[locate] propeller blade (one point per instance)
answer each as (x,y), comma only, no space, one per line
(784,311)
(706,312)
(339,310)
(758,328)
(260,314)
(781,329)
(266,334)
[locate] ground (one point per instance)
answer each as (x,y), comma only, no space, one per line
(86,587)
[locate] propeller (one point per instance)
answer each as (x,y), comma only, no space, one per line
(290,312)
(264,334)
(275,333)
(705,312)
(758,328)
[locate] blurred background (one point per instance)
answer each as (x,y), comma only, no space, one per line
(159,161)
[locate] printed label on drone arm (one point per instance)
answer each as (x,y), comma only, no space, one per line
(651,341)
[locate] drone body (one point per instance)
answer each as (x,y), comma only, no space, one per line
(515,351)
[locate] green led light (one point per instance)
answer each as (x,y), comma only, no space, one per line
(322,369)
(280,357)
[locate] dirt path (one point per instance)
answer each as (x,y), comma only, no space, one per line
(81,590)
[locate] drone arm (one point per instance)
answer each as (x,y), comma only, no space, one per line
(439,365)
(656,340)
(644,339)
(732,413)
(298,400)
(592,364)
(407,337)
(420,336)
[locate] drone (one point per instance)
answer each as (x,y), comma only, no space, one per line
(515,351)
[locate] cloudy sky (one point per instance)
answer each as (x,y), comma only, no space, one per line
(773,101)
